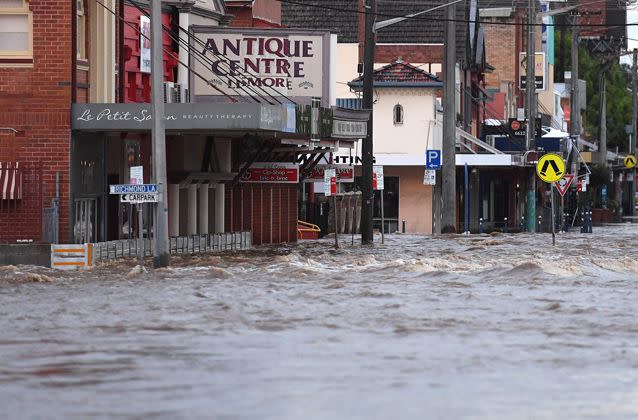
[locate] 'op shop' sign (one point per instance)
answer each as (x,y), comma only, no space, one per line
(284,62)
(272,173)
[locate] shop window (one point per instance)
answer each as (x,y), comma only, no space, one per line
(16,33)
(81,31)
(398,114)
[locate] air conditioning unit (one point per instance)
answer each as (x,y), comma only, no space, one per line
(168,92)
(180,94)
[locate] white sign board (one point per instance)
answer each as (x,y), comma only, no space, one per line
(140,198)
(540,71)
(377,177)
(137,175)
(288,62)
(127,189)
(145,44)
(329,179)
(429,177)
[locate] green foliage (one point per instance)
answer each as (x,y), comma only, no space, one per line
(618,98)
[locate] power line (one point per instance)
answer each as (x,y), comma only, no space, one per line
(431,19)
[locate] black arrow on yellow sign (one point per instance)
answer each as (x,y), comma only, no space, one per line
(630,161)
(548,162)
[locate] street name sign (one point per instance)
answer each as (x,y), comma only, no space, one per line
(550,167)
(562,185)
(140,198)
(432,159)
(129,188)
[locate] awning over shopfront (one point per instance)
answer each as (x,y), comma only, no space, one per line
(10,181)
(284,121)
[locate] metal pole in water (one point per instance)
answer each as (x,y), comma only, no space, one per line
(140,227)
(467,202)
(553,216)
(334,197)
(382,219)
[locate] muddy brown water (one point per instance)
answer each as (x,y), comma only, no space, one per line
(501,326)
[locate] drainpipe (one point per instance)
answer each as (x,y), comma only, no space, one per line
(121,59)
(74,52)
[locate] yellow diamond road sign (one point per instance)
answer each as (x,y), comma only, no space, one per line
(550,167)
(630,161)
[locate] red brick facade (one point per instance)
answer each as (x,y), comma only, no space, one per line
(36,102)
(268,210)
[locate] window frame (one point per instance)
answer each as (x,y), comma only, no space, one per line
(395,120)
(24,58)
(81,50)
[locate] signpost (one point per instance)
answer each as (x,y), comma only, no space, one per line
(377,184)
(330,189)
(432,159)
(137,193)
(562,185)
(551,168)
(429,177)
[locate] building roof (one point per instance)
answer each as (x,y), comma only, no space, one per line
(400,74)
(342,18)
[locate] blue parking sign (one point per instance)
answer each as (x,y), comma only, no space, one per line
(433,159)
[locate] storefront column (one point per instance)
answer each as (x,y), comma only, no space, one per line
(192,210)
(224,155)
(182,71)
(203,209)
(173,209)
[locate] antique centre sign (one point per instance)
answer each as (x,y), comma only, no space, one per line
(240,61)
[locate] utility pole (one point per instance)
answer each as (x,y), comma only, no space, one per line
(448,170)
(574,115)
(632,143)
(367,204)
(602,149)
(161,257)
(530,85)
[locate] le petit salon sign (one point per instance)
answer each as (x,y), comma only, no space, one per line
(207,116)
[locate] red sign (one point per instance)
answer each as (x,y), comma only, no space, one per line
(562,185)
(344,173)
(272,173)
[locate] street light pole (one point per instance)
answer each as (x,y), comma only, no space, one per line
(632,143)
(367,205)
(530,82)
(161,257)
(448,169)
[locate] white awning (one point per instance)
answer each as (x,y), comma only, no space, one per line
(10,181)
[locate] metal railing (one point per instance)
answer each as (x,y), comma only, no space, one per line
(211,242)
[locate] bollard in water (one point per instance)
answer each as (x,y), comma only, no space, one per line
(540,223)
(402,226)
(505,227)
(481,225)
(523,228)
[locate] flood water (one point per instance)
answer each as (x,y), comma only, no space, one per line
(502,326)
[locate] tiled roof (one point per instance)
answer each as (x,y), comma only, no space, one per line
(398,74)
(341,17)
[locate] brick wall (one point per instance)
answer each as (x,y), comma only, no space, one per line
(268,210)
(502,54)
(36,101)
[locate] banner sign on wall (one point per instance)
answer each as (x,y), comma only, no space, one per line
(344,173)
(145,44)
(272,173)
(289,62)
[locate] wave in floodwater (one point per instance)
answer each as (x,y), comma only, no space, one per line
(481,326)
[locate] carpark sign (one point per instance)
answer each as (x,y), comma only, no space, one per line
(140,198)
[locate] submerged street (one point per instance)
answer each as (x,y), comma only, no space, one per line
(500,326)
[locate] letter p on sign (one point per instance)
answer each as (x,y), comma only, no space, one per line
(433,159)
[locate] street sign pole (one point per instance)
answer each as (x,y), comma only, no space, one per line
(553,217)
(382,219)
(140,227)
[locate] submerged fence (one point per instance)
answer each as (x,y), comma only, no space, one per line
(212,242)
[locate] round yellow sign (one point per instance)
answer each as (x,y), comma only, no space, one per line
(550,167)
(630,161)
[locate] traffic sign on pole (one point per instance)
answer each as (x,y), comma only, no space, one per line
(432,159)
(563,184)
(140,198)
(129,188)
(629,161)
(550,167)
